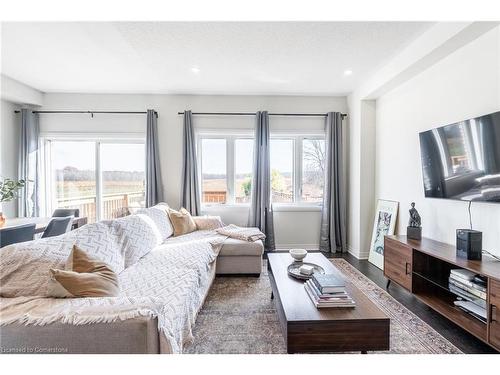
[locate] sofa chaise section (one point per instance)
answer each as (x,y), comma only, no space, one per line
(240,257)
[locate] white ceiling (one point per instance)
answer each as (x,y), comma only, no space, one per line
(233,58)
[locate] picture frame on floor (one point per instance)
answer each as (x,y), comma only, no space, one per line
(384,223)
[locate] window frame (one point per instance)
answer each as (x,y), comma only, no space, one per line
(47,182)
(301,177)
(230,137)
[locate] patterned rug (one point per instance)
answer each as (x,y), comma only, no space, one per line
(239,317)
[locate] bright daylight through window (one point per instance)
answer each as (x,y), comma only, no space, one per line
(313,169)
(103,190)
(297,169)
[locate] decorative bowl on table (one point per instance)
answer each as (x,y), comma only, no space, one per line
(294,270)
(298,254)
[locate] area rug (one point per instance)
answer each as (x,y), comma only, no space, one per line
(238,316)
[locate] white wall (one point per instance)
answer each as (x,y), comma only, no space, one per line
(463,85)
(9,145)
(17,92)
(438,42)
(292,228)
(14,95)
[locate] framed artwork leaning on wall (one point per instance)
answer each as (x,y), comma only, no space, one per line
(386,216)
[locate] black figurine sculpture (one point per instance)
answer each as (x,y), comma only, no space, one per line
(414,229)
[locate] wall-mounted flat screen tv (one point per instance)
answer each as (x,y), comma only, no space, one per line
(462,160)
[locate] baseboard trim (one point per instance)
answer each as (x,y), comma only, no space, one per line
(297,246)
(357,254)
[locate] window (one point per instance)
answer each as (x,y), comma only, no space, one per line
(103,179)
(225,168)
(243,165)
(297,168)
(73,177)
(282,168)
(313,170)
(213,167)
(122,167)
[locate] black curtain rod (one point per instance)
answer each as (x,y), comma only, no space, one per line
(96,112)
(253,114)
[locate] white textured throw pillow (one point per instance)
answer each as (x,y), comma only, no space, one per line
(140,235)
(160,217)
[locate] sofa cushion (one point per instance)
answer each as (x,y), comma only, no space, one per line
(140,236)
(84,276)
(159,215)
(234,247)
(182,221)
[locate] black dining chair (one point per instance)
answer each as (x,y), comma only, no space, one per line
(58,226)
(63,212)
(20,233)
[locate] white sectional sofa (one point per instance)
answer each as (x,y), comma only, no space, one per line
(163,279)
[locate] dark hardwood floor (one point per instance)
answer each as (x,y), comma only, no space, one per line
(460,338)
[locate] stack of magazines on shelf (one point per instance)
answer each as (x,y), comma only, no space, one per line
(470,290)
(328,291)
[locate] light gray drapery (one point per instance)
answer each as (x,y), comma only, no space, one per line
(28,203)
(190,188)
(154,188)
(261,211)
(333,214)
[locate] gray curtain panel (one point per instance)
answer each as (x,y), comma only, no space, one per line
(333,214)
(190,187)
(28,203)
(261,211)
(154,188)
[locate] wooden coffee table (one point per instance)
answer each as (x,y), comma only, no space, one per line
(311,330)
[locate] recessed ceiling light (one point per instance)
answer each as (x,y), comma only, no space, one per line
(347,72)
(195,70)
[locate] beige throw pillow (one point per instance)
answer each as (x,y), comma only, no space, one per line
(84,277)
(208,222)
(182,221)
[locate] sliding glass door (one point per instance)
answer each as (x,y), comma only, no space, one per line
(103,179)
(122,170)
(73,176)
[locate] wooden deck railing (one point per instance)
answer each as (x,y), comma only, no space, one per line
(219,196)
(114,205)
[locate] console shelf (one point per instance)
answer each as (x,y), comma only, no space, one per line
(457,316)
(423,268)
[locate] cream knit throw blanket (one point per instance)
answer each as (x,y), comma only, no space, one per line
(241,233)
(168,283)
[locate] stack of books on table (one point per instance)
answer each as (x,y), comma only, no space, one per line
(470,290)
(328,291)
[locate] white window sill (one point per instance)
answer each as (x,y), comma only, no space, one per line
(277,207)
(290,207)
(218,207)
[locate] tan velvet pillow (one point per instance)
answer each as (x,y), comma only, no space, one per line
(182,221)
(208,222)
(84,277)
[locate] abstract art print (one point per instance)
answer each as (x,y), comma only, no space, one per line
(385,222)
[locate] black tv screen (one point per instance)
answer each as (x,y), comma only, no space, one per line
(462,160)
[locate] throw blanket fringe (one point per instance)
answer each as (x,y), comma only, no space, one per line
(240,233)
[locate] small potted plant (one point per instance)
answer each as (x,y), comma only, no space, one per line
(9,190)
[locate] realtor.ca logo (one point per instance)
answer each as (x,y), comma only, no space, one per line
(32,350)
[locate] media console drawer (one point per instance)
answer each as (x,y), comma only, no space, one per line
(494,315)
(398,263)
